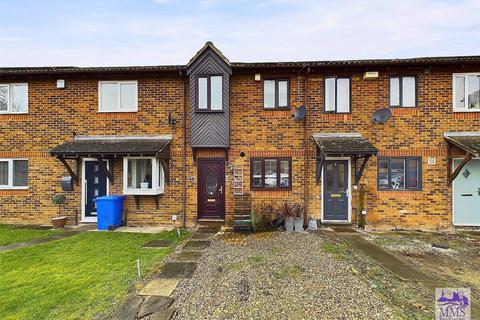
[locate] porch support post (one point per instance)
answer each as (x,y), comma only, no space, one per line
(166,169)
(69,169)
(320,160)
(452,175)
(105,169)
(359,173)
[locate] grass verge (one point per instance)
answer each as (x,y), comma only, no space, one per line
(11,234)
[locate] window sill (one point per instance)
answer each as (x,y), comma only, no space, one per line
(117,111)
(13,113)
(399,190)
(14,188)
(271,189)
(277,109)
(140,192)
(465,111)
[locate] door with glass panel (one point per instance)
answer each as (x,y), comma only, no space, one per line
(466,194)
(335,190)
(211,188)
(94,186)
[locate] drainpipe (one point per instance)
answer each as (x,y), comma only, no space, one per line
(184,152)
(305,138)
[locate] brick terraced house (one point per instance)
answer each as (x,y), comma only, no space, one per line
(213,140)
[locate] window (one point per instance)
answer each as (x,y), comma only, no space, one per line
(466,92)
(14,98)
(271,173)
(143,175)
(337,95)
(210,94)
(117,96)
(403,91)
(276,94)
(13,173)
(399,173)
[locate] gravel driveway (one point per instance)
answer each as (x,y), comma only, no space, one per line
(275,276)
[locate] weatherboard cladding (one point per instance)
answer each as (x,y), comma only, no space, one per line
(209,129)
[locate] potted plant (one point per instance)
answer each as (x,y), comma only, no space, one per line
(288,215)
(298,212)
(60,221)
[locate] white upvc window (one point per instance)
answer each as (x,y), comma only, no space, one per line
(337,95)
(117,96)
(466,92)
(13,173)
(14,98)
(143,176)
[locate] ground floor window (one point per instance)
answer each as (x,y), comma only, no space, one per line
(143,175)
(13,173)
(271,173)
(400,173)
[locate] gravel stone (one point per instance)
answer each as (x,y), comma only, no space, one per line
(275,276)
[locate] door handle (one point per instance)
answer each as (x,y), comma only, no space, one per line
(221,190)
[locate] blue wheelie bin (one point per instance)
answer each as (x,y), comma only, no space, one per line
(109,212)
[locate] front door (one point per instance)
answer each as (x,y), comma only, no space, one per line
(335,190)
(466,194)
(94,185)
(211,188)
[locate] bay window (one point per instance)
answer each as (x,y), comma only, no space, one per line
(466,92)
(14,98)
(13,173)
(143,175)
(270,173)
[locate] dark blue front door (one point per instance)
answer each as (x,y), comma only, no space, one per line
(95,186)
(335,187)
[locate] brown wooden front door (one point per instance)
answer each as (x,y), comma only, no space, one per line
(211,188)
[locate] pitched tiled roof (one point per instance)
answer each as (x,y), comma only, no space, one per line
(344,143)
(112,146)
(25,71)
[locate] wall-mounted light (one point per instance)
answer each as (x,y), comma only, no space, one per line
(258,77)
(60,84)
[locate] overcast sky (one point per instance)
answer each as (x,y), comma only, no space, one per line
(157,32)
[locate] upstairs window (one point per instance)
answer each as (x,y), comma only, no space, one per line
(210,93)
(399,173)
(271,173)
(337,95)
(276,94)
(117,96)
(13,173)
(466,92)
(403,92)
(14,98)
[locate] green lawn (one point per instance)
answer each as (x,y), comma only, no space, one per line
(81,277)
(10,234)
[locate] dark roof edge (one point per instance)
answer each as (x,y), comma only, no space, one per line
(66,70)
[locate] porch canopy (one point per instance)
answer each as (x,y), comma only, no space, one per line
(464,145)
(110,147)
(343,145)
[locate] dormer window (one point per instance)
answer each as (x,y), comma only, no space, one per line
(210,93)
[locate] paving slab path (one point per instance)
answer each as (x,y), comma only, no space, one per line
(154,301)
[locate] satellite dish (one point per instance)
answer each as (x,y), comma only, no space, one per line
(300,113)
(381,115)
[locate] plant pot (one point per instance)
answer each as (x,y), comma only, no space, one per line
(298,224)
(312,225)
(59,222)
(144,185)
(289,224)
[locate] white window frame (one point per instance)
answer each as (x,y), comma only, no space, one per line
(336,92)
(158,187)
(9,98)
(118,108)
(454,96)
(10,185)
